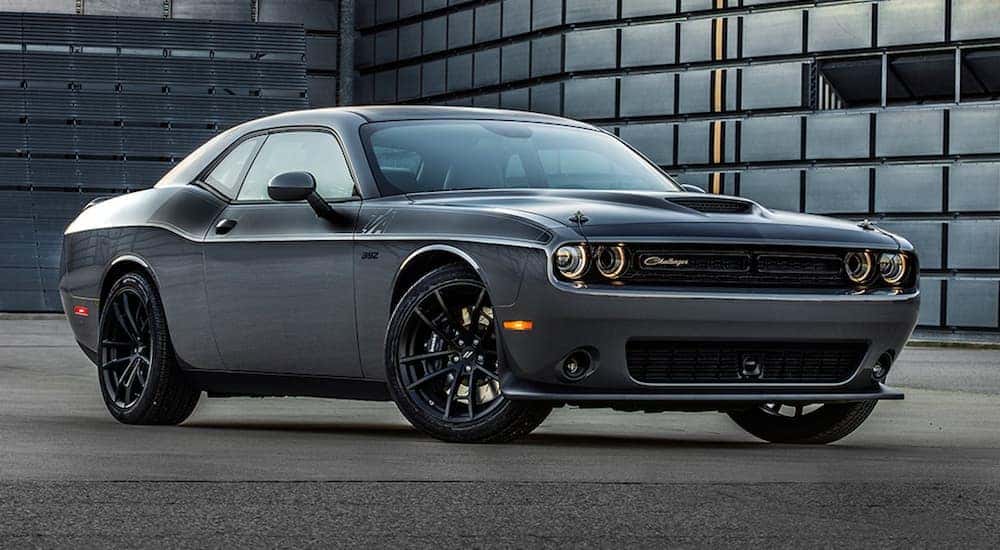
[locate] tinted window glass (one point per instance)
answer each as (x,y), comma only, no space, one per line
(225,177)
(315,152)
(421,156)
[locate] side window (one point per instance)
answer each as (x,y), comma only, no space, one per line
(315,152)
(225,177)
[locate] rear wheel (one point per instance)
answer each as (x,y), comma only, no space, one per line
(443,364)
(803,423)
(139,377)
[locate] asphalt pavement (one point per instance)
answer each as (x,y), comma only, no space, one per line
(309,472)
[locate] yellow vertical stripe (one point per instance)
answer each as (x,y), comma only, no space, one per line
(718,96)
(717,142)
(717,86)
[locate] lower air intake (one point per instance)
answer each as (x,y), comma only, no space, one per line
(708,362)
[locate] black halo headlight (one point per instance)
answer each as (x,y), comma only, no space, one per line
(859,267)
(571,261)
(893,267)
(610,260)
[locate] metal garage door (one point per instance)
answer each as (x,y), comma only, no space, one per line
(93,106)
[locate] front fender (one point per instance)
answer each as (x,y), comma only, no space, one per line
(379,263)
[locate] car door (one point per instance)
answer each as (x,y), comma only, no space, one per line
(280,279)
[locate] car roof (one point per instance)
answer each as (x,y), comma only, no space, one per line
(386,113)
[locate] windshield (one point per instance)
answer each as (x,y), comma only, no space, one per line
(422,156)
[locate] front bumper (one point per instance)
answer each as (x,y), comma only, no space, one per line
(566,319)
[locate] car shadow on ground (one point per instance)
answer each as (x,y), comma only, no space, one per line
(540,439)
(332,428)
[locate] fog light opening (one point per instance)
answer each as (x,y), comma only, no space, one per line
(576,365)
(881,368)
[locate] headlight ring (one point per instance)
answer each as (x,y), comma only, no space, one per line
(859,266)
(610,260)
(571,261)
(893,267)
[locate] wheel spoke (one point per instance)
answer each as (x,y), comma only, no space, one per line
(121,387)
(114,363)
(447,312)
(142,330)
(477,311)
(123,323)
(142,317)
(115,343)
(491,374)
(428,377)
(472,394)
(451,396)
(119,393)
(132,325)
(423,356)
(130,381)
(434,328)
(142,373)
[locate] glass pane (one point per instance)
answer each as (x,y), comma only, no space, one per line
(315,152)
(225,177)
(425,156)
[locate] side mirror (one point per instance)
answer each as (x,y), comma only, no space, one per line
(299,186)
(692,188)
(291,186)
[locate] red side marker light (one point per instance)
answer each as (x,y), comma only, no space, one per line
(82,311)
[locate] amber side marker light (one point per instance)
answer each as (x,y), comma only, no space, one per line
(82,311)
(518,325)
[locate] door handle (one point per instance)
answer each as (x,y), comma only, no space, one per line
(225,226)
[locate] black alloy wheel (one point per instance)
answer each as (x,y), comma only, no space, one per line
(448,353)
(126,348)
(444,366)
(138,373)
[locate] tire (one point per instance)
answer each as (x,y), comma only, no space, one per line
(828,423)
(499,419)
(134,336)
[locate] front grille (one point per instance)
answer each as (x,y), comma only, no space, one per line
(714,206)
(710,362)
(775,268)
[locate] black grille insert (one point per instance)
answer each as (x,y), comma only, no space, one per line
(687,362)
(714,206)
(767,267)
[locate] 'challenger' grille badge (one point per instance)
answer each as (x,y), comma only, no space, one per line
(654,261)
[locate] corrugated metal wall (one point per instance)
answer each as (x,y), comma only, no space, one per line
(91,106)
(862,109)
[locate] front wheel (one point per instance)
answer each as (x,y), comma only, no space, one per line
(442,362)
(800,423)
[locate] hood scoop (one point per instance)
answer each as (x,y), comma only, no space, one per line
(714,206)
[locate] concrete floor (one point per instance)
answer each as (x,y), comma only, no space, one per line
(310,472)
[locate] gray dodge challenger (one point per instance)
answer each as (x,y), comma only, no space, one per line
(478,268)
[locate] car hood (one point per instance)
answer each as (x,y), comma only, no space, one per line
(665,216)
